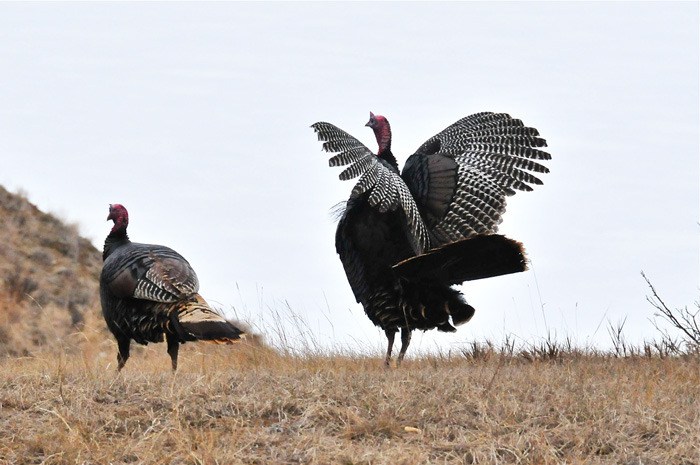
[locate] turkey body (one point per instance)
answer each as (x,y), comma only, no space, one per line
(370,243)
(150,293)
(368,246)
(405,237)
(143,320)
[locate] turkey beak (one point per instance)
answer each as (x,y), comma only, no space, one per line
(369,123)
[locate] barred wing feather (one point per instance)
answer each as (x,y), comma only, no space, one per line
(150,272)
(387,190)
(461,176)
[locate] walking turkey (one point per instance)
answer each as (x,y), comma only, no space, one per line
(148,291)
(405,238)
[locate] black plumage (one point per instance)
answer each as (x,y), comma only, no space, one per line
(406,237)
(150,291)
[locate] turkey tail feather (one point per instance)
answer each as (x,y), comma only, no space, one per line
(196,320)
(478,257)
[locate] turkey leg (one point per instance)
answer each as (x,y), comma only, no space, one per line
(390,333)
(123,354)
(405,341)
(173,347)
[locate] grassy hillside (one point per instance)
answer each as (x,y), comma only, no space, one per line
(48,279)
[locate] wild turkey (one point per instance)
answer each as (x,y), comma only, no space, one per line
(405,238)
(148,291)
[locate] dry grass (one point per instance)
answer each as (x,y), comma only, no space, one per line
(249,405)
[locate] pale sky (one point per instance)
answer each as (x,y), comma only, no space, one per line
(196,118)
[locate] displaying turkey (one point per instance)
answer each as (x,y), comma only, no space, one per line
(148,291)
(405,238)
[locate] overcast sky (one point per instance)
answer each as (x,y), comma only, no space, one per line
(196,118)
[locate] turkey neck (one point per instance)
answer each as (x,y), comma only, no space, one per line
(383,135)
(114,240)
(389,158)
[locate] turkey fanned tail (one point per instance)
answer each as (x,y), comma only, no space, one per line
(469,259)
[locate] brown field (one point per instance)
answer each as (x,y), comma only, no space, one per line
(244,404)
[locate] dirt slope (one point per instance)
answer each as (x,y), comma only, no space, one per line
(48,279)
